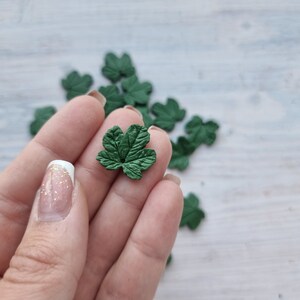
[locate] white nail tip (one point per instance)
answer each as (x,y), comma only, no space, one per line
(66,165)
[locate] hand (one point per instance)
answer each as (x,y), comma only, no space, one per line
(103,237)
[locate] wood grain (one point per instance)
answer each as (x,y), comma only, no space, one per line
(236,62)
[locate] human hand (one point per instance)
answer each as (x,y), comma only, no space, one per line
(106,236)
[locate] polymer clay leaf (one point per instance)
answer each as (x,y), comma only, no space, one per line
(136,92)
(111,158)
(76,84)
(192,215)
(113,97)
(41,116)
(148,121)
(127,151)
(169,260)
(167,114)
(201,132)
(115,68)
(180,153)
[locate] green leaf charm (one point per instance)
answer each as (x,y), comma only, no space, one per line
(41,116)
(192,215)
(201,132)
(180,154)
(113,97)
(136,92)
(127,151)
(169,260)
(167,114)
(76,85)
(115,68)
(148,121)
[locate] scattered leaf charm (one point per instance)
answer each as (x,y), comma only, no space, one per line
(115,68)
(127,151)
(76,85)
(180,153)
(41,116)
(167,114)
(169,260)
(201,132)
(148,121)
(192,215)
(136,92)
(113,97)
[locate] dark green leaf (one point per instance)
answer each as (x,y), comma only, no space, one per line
(41,116)
(169,260)
(148,121)
(167,114)
(115,68)
(76,85)
(180,153)
(136,92)
(127,151)
(201,132)
(113,97)
(192,215)
(112,140)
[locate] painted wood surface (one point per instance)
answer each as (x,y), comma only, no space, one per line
(235,61)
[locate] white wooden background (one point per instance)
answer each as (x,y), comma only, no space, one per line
(232,60)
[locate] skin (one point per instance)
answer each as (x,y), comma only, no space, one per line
(117,237)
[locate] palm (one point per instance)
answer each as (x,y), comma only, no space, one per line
(124,234)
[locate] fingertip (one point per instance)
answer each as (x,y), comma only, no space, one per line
(175,193)
(130,107)
(164,207)
(91,104)
(126,113)
(98,96)
(172,178)
(174,184)
(160,141)
(158,129)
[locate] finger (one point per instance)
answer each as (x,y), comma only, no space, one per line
(144,257)
(114,221)
(95,179)
(65,136)
(51,256)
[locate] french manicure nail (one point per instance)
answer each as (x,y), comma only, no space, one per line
(98,96)
(173,178)
(55,199)
(152,127)
(130,107)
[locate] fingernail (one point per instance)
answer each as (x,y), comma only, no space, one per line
(98,96)
(134,109)
(152,127)
(55,199)
(173,178)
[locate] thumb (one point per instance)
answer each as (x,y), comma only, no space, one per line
(49,261)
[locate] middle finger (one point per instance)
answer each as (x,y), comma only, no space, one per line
(111,226)
(94,178)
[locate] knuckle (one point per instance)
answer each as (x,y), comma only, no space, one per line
(35,264)
(132,200)
(147,249)
(111,290)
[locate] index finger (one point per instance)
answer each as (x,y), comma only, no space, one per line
(64,136)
